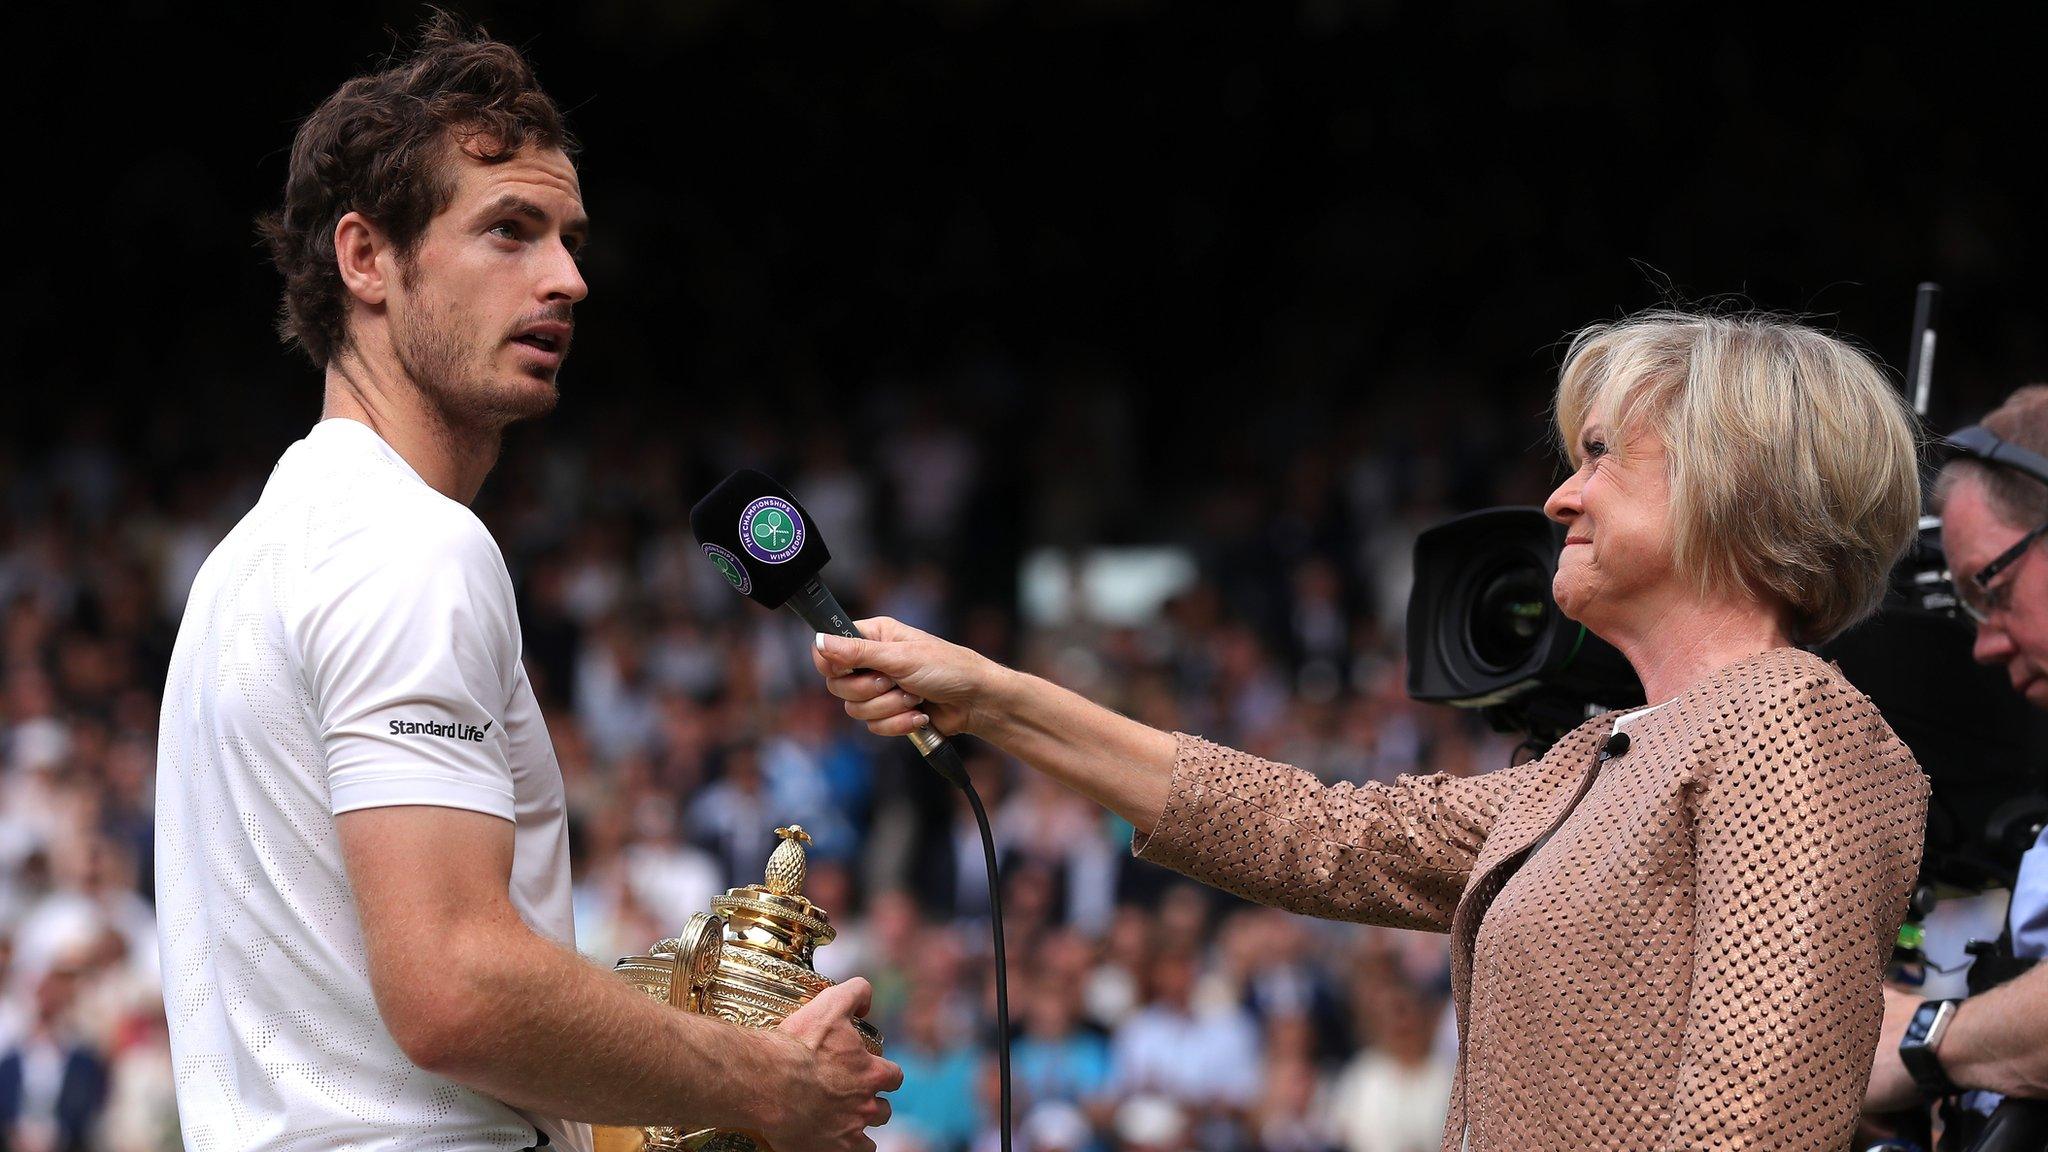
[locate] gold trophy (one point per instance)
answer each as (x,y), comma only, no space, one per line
(748,960)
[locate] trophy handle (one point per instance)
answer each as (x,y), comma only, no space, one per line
(702,942)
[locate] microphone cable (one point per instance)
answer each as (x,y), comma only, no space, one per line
(770,550)
(995,915)
(944,758)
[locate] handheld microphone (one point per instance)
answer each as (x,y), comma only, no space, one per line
(766,546)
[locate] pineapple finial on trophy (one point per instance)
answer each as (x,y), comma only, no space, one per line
(747,962)
(786,866)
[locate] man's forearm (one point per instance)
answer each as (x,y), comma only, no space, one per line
(1999,1041)
(552,1033)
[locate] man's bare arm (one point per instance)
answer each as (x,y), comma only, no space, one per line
(1999,1041)
(472,993)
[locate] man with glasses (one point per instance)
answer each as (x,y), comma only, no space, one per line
(1993,498)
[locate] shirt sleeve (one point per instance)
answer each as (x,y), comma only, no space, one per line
(1397,854)
(409,644)
(1806,835)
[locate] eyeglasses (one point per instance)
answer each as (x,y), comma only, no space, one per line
(1979,600)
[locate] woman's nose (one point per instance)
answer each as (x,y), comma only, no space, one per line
(1563,505)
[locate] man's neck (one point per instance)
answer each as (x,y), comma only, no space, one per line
(374,391)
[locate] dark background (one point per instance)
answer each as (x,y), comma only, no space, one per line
(1282,216)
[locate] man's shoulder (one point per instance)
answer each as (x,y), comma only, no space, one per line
(375,520)
(357,497)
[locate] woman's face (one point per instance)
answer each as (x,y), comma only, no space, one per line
(1616,510)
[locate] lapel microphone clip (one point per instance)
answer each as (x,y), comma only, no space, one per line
(1615,746)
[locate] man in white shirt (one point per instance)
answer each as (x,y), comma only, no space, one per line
(363,881)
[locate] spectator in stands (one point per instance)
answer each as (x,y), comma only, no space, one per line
(1391,1096)
(1055,1059)
(1205,1059)
(52,1083)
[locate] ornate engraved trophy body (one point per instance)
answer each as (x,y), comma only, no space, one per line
(748,960)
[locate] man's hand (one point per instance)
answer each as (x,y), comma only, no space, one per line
(837,1095)
(1891,1086)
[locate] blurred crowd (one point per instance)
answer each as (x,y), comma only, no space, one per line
(1149,1013)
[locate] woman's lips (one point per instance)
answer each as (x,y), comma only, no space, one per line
(1571,540)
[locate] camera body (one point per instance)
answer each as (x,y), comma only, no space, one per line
(1485,633)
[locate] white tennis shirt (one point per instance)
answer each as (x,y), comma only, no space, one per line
(351,644)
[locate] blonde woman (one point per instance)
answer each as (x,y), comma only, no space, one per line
(1669,939)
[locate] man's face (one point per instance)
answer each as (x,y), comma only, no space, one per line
(480,316)
(2016,632)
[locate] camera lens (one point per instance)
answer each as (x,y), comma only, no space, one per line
(1508,616)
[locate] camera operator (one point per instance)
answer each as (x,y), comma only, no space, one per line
(1994,506)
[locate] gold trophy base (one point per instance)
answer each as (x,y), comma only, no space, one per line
(605,1138)
(747,962)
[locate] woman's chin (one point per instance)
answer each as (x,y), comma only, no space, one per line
(1566,598)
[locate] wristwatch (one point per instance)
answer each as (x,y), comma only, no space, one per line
(1923,1036)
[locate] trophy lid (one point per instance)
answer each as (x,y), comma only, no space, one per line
(775,914)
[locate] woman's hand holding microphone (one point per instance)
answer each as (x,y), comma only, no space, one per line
(898,680)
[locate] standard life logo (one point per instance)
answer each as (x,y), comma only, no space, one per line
(469,732)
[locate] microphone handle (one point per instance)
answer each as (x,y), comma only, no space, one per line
(820,609)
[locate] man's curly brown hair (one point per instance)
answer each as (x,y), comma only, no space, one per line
(377,146)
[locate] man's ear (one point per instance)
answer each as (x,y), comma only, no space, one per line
(357,246)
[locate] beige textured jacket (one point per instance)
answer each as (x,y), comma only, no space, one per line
(1690,961)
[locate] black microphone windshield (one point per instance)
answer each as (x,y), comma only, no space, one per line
(759,537)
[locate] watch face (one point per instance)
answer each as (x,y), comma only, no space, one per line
(1923,1021)
(1917,1047)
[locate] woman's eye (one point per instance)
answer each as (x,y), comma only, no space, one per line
(1595,449)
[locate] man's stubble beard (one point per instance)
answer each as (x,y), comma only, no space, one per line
(455,377)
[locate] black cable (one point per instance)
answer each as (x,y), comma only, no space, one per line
(995,911)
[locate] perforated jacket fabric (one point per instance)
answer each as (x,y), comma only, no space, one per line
(1692,960)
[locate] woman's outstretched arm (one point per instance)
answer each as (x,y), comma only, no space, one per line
(1394,853)
(900,679)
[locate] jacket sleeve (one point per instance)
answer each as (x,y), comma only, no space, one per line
(1807,827)
(1396,854)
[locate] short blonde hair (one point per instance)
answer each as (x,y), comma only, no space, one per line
(1794,463)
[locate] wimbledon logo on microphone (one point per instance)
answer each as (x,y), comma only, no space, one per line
(771,531)
(729,566)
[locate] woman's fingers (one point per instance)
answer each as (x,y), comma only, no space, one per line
(882,707)
(845,653)
(858,687)
(888,628)
(892,679)
(901,724)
